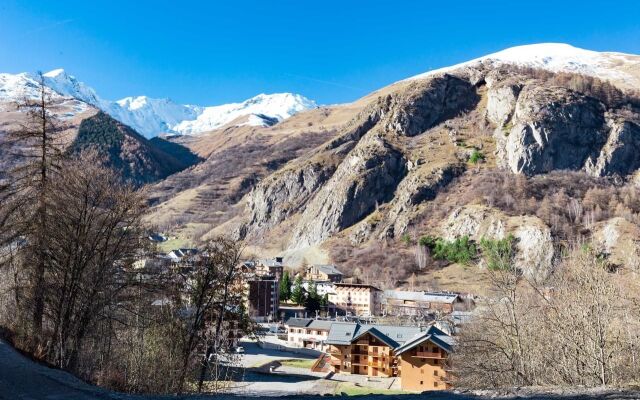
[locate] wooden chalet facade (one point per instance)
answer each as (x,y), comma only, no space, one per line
(416,355)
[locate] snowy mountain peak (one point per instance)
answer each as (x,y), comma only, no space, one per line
(263,109)
(68,85)
(562,57)
(150,116)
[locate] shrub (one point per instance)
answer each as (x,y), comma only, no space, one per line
(461,250)
(476,156)
(497,252)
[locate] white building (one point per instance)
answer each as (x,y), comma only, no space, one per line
(308,333)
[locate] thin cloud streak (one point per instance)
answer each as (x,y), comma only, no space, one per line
(48,27)
(326,82)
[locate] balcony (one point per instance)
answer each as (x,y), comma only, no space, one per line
(428,354)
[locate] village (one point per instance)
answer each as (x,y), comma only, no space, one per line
(317,326)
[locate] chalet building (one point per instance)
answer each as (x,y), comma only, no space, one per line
(399,302)
(416,355)
(323,273)
(263,299)
(307,332)
(272,267)
(357,299)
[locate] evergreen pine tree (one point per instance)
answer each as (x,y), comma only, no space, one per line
(285,286)
(313,298)
(297,293)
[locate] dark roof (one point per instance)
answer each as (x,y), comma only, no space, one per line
(394,336)
(298,322)
(356,285)
(328,269)
(434,335)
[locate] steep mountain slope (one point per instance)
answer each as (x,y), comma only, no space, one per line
(136,159)
(407,159)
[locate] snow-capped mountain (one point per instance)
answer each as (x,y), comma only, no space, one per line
(619,68)
(151,117)
(17,87)
(260,110)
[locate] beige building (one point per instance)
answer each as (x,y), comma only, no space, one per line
(323,273)
(357,299)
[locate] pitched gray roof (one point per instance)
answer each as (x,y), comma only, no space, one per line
(433,334)
(342,333)
(421,296)
(298,322)
(320,324)
(394,336)
(328,269)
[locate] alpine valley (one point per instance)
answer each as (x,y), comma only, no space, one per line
(541,142)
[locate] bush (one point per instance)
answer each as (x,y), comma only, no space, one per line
(476,157)
(497,252)
(461,250)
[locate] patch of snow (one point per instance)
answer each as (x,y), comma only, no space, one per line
(557,57)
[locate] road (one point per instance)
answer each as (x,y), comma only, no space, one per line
(22,379)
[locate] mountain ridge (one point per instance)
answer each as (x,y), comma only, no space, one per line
(150,116)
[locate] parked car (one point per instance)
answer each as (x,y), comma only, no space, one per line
(239,349)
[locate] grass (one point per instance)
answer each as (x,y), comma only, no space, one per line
(350,389)
(172,244)
(297,363)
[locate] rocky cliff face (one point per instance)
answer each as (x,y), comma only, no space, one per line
(552,129)
(620,155)
(541,129)
(367,177)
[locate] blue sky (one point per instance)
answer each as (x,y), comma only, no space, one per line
(212,52)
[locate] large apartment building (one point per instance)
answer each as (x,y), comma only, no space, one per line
(357,299)
(415,354)
(263,299)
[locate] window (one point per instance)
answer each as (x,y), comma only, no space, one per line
(435,373)
(435,384)
(421,371)
(421,382)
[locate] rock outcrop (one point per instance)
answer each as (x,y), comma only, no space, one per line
(553,129)
(368,176)
(425,103)
(420,185)
(619,240)
(372,171)
(621,153)
(535,252)
(501,103)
